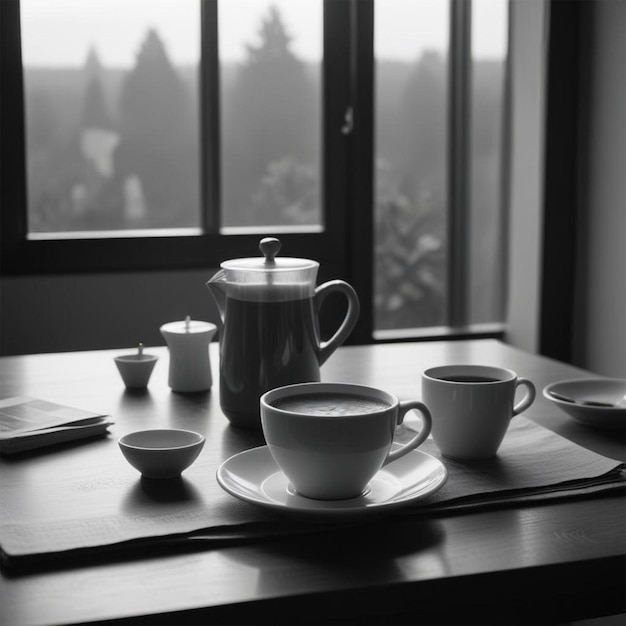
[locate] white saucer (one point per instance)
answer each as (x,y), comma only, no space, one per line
(253,476)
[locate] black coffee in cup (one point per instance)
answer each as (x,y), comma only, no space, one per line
(468,378)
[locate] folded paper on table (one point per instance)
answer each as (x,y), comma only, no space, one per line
(29,423)
(533,464)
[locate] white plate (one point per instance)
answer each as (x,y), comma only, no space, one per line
(253,476)
(609,390)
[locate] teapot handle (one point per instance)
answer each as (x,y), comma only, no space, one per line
(349,321)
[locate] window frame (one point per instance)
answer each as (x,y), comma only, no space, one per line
(344,248)
(167,249)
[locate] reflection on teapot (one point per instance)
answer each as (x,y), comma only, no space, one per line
(270,336)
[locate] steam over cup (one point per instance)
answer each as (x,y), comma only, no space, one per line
(332,452)
(472,407)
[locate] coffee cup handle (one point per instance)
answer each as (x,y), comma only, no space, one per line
(420,437)
(528,399)
(349,321)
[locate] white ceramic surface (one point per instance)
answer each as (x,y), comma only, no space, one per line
(470,419)
(332,457)
(161,453)
(188,345)
(254,477)
(609,390)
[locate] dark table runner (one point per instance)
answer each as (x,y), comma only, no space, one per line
(99,515)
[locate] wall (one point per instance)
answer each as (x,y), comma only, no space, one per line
(599,335)
(600,325)
(528,93)
(82,312)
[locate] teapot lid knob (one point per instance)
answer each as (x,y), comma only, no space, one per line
(269,247)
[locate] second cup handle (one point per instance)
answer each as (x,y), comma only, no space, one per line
(420,437)
(352,315)
(528,399)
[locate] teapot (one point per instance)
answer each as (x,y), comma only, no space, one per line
(270,335)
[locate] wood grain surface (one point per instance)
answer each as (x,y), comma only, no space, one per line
(548,563)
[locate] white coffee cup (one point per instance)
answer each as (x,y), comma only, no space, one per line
(472,406)
(330,439)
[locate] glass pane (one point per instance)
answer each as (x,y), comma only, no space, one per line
(111,115)
(487,226)
(411,44)
(270,72)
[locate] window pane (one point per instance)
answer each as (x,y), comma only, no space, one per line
(270,71)
(487,227)
(411,43)
(111,114)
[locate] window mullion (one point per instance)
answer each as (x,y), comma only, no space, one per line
(209,114)
(360,216)
(14,223)
(459,119)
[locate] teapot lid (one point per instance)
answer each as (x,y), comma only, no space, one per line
(268,263)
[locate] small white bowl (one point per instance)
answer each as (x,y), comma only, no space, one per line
(582,391)
(162,453)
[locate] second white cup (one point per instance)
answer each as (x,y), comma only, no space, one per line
(472,406)
(330,439)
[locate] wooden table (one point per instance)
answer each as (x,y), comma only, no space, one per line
(527,564)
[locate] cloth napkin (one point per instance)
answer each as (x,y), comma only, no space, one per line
(533,464)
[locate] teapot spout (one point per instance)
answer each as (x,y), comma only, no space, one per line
(217,286)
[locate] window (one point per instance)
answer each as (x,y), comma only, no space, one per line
(111,123)
(211,122)
(411,48)
(112,120)
(440,165)
(270,95)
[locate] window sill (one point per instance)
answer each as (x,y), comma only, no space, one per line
(494,330)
